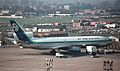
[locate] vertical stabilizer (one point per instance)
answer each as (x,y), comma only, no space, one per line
(20,32)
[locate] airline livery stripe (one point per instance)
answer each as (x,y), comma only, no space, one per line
(34,42)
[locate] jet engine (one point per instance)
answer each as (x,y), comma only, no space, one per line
(75,49)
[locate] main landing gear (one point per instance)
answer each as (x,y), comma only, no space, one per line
(53,51)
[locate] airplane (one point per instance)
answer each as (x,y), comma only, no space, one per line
(58,43)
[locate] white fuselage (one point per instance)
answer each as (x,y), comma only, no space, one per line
(71,39)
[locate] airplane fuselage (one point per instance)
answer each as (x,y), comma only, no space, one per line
(59,42)
(71,40)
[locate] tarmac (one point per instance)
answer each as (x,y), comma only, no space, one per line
(16,59)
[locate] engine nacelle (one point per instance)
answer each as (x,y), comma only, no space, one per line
(75,49)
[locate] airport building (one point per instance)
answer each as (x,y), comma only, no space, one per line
(4,40)
(47,30)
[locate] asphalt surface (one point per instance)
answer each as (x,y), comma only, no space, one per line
(16,59)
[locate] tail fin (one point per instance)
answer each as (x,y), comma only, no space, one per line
(20,32)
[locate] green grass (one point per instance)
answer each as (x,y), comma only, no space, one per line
(39,20)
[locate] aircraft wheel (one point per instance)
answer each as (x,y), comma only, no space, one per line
(53,52)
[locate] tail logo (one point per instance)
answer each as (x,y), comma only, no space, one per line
(16,28)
